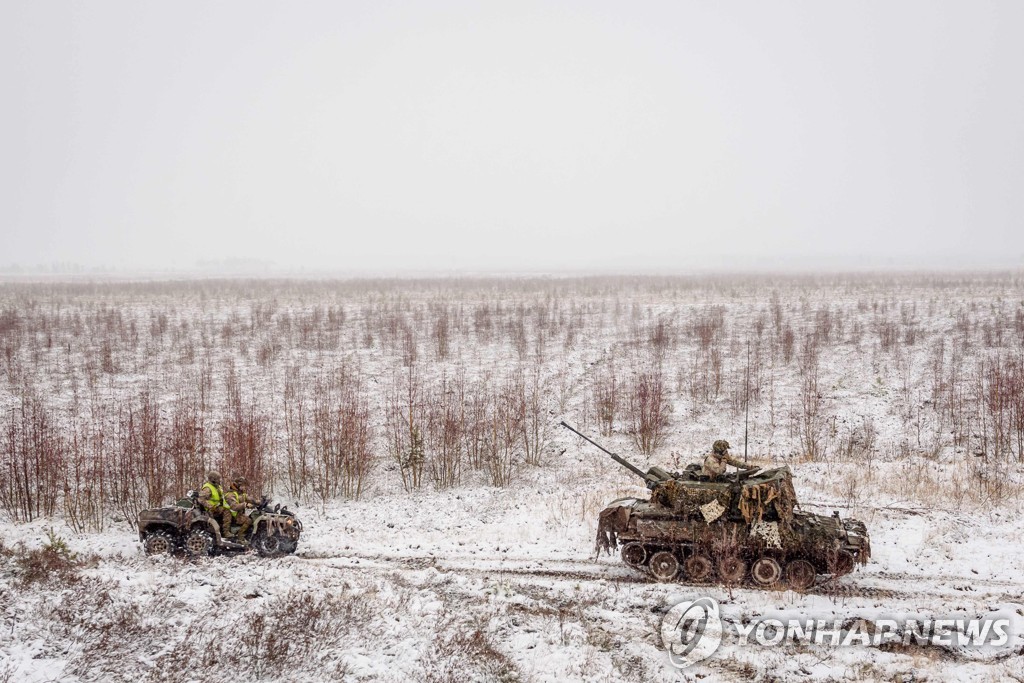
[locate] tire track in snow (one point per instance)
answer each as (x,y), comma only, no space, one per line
(566,570)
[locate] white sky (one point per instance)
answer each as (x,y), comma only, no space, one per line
(520,135)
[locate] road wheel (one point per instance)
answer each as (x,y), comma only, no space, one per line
(698,568)
(766,572)
(732,569)
(664,566)
(843,562)
(267,545)
(159,543)
(800,575)
(199,543)
(634,554)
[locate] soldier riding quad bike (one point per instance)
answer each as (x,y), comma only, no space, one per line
(733,529)
(186,527)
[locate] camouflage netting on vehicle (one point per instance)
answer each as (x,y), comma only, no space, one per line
(816,536)
(611,522)
(770,495)
(687,498)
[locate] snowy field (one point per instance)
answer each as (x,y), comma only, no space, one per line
(895,399)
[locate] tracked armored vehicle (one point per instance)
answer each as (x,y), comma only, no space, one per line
(739,528)
(186,528)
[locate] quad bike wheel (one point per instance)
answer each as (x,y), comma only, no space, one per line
(198,543)
(159,543)
(267,545)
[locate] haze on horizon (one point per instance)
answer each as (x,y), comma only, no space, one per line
(400,136)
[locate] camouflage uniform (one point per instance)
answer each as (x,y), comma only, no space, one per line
(716,462)
(211,499)
(238,501)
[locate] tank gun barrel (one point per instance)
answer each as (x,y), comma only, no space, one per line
(651,477)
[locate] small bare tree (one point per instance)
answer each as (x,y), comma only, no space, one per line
(246,437)
(536,427)
(297,450)
(810,420)
(32,459)
(648,409)
(405,422)
(446,441)
(341,436)
(503,445)
(606,397)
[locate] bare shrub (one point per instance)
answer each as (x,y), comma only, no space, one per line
(447,420)
(186,448)
(809,417)
(442,333)
(341,436)
(32,458)
(605,390)
(298,464)
(274,642)
(478,404)
(648,409)
(86,475)
(823,324)
(1000,386)
(662,336)
(138,469)
(405,423)
(786,343)
(708,326)
(503,442)
(860,442)
(888,335)
(535,423)
(52,563)
(409,352)
(245,436)
(463,651)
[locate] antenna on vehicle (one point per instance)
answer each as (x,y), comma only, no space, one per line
(746,404)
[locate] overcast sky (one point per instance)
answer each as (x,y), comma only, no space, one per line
(516,136)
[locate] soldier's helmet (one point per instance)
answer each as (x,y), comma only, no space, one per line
(720,446)
(213,476)
(239,482)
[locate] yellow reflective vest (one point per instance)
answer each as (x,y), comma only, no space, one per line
(236,498)
(216,495)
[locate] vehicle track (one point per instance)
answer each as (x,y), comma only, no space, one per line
(568,570)
(557,569)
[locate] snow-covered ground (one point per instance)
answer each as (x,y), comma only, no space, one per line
(478,583)
(484,585)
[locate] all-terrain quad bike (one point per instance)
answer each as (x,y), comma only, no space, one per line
(186,527)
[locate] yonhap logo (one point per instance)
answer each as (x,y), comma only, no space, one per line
(692,631)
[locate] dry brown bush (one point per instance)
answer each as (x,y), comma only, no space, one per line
(648,409)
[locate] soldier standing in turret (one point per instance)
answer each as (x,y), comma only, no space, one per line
(716,462)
